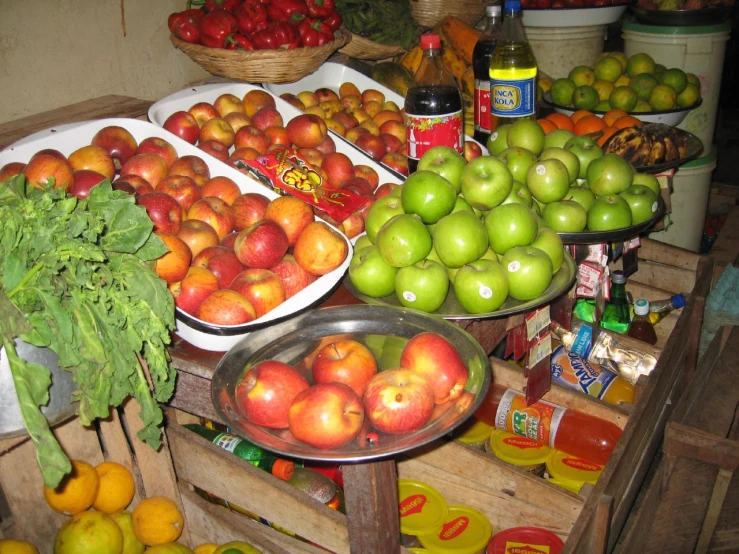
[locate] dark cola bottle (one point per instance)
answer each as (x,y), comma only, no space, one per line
(482,55)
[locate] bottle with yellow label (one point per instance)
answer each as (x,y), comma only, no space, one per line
(513,71)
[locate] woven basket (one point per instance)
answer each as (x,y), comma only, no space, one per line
(429,12)
(262,66)
(365,49)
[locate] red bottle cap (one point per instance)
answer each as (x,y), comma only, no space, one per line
(283,469)
(430,40)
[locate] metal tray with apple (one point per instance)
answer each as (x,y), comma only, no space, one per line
(573,17)
(385,331)
(597,237)
(451,309)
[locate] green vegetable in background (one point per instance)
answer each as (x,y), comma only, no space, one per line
(387,22)
(77,276)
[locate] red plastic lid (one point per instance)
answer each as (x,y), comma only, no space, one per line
(430,40)
(525,540)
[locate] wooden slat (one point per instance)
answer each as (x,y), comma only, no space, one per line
(690,442)
(726,248)
(663,253)
(672,279)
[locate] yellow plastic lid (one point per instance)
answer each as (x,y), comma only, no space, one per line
(518,450)
(465,531)
(418,550)
(422,508)
(476,432)
(572,472)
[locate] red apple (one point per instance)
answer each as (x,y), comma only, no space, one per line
(159,146)
(191,166)
(229,240)
(398,401)
(277,135)
(261,287)
(266,391)
(353,134)
(228,103)
(312,155)
(174,265)
(385,189)
(267,117)
(294,278)
(84,180)
(472,150)
(221,261)
(262,244)
(221,187)
(396,161)
(347,120)
(202,112)
(197,285)
(320,249)
(125,187)
(353,226)
(249,208)
(327,415)
(215,212)
(151,167)
(436,359)
(138,183)
(184,125)
(45,167)
(241,156)
(118,142)
(392,143)
(372,145)
(198,235)
(251,137)
(163,210)
(237,120)
(215,149)
(358,185)
(94,158)
(219,130)
(256,99)
(327,146)
(395,128)
(345,361)
(290,213)
(11,169)
(306,130)
(181,188)
(339,167)
(368,173)
(226,307)
(293,100)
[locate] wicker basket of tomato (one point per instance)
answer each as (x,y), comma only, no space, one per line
(259,41)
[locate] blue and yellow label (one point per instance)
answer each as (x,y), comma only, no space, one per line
(513,98)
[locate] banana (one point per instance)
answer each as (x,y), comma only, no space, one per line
(632,144)
(671,152)
(656,153)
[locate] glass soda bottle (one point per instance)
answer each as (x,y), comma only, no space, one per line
(642,328)
(482,55)
(433,106)
(574,432)
(513,71)
(616,314)
(661,308)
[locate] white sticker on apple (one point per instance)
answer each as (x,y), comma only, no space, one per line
(541,169)
(654,207)
(485,292)
(494,135)
(514,266)
(409,296)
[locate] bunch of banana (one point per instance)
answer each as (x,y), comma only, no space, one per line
(647,144)
(384,21)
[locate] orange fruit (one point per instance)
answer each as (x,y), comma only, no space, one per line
(607,132)
(626,121)
(9,546)
(589,124)
(612,115)
(579,114)
(116,488)
(157,520)
(547,125)
(76,492)
(562,121)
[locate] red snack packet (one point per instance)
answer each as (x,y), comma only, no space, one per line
(287,172)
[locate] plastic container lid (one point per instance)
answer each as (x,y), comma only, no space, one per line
(422,508)
(525,540)
(630,24)
(476,433)
(618,278)
(465,531)
(518,450)
(430,40)
(572,472)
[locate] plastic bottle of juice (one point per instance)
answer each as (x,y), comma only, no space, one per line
(642,328)
(513,71)
(574,432)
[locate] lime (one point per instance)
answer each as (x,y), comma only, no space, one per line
(662,97)
(545,83)
(608,69)
(689,96)
(643,84)
(582,75)
(585,98)
(640,63)
(622,81)
(562,91)
(642,106)
(692,79)
(659,68)
(603,106)
(621,57)
(675,78)
(624,98)
(604,88)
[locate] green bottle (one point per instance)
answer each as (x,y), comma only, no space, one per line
(617,313)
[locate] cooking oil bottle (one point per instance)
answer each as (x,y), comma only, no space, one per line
(513,71)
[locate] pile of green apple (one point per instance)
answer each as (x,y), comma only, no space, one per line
(568,180)
(457,225)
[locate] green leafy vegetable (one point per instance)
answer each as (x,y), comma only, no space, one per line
(76,276)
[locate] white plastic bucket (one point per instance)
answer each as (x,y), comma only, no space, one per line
(559,49)
(697,50)
(691,186)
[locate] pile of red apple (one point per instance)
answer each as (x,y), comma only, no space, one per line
(233,257)
(346,396)
(234,130)
(367,120)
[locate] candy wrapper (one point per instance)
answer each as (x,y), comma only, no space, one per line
(288,172)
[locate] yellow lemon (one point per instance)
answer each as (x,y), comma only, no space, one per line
(131,543)
(9,546)
(157,520)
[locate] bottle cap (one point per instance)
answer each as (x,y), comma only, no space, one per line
(283,469)
(678,300)
(641,306)
(492,9)
(618,278)
(430,40)
(512,6)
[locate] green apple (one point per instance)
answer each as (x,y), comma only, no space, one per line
(609,174)
(536,206)
(486,181)
(519,194)
(460,238)
(642,201)
(582,195)
(565,216)
(362,241)
(429,195)
(548,241)
(510,225)
(586,149)
(396,191)
(557,138)
(518,161)
(445,161)
(491,255)
(527,133)
(422,286)
(460,204)
(404,240)
(529,271)
(498,140)
(371,274)
(481,286)
(548,180)
(648,180)
(382,211)
(571,162)
(609,212)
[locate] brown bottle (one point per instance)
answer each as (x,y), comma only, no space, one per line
(641,327)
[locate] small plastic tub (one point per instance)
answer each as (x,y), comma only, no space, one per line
(422,510)
(474,433)
(464,531)
(522,452)
(525,539)
(571,472)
